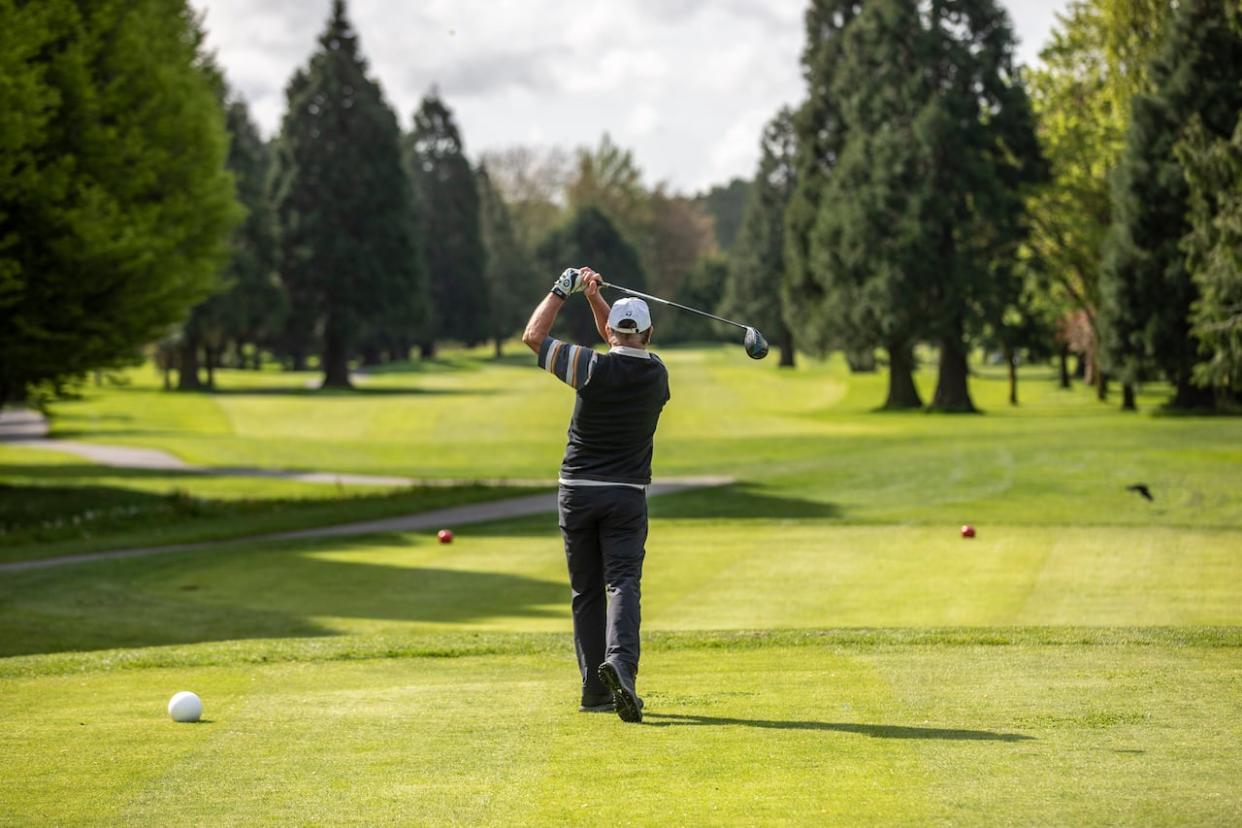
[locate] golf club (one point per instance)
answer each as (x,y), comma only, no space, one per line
(756,345)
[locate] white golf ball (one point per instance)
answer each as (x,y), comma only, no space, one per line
(185,707)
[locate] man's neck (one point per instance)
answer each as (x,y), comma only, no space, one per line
(629,350)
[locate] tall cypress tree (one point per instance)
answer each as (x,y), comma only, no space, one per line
(115,206)
(256,311)
(450,237)
(343,201)
(249,308)
(509,274)
(819,134)
(868,247)
(756,267)
(979,133)
(1146,286)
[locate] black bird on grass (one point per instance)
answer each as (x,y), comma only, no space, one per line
(1142,489)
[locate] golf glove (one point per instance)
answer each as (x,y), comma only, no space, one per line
(569,282)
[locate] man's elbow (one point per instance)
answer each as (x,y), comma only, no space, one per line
(531,339)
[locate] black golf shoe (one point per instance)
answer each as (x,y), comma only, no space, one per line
(616,677)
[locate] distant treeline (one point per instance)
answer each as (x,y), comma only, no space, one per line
(927,192)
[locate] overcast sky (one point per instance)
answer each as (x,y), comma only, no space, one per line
(686,84)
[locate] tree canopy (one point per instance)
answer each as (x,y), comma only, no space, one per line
(115,204)
(344,203)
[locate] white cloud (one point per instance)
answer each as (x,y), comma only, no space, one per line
(687,84)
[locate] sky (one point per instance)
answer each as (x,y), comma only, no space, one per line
(686,84)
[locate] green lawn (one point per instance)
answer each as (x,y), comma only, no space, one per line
(821,646)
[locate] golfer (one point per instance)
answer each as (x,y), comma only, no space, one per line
(602,504)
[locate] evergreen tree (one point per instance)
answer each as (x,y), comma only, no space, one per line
(756,270)
(1214,254)
(819,134)
(978,132)
(1147,289)
(509,274)
(869,247)
(589,239)
(256,310)
(115,206)
(702,287)
(450,237)
(249,307)
(725,204)
(344,204)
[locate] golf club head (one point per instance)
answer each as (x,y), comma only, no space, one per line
(756,345)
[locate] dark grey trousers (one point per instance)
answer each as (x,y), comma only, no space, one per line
(605,531)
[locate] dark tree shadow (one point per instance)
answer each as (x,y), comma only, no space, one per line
(230,593)
(738,501)
(875,731)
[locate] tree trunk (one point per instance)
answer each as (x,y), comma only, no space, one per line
(1080,368)
(952,391)
(1127,397)
(1011,359)
(1101,385)
(427,350)
(1190,396)
(335,356)
(902,393)
(371,355)
(1065,374)
(187,365)
(167,378)
(212,355)
(787,348)
(500,347)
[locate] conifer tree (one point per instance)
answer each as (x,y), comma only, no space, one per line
(344,203)
(756,268)
(248,308)
(984,160)
(450,237)
(869,247)
(1214,255)
(819,134)
(509,273)
(115,206)
(1147,289)
(588,239)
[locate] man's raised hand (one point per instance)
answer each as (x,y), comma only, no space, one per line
(570,281)
(590,281)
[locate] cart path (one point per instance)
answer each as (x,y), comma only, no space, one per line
(454,516)
(24,428)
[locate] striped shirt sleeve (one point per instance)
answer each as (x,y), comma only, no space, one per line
(572,364)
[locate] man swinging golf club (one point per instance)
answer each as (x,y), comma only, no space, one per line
(602,504)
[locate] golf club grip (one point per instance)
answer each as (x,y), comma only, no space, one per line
(642,295)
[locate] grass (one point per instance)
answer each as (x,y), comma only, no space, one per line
(820,645)
(53,505)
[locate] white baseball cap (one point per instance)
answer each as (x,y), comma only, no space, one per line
(629,315)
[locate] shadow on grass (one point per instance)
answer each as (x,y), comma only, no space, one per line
(738,501)
(356,391)
(875,731)
(243,593)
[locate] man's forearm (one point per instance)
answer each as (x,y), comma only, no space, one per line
(599,309)
(540,324)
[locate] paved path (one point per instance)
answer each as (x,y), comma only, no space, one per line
(28,429)
(454,516)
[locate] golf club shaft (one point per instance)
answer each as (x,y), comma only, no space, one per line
(674,305)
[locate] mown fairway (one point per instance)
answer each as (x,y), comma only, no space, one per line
(822,647)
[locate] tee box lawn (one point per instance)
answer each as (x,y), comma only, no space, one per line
(821,646)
